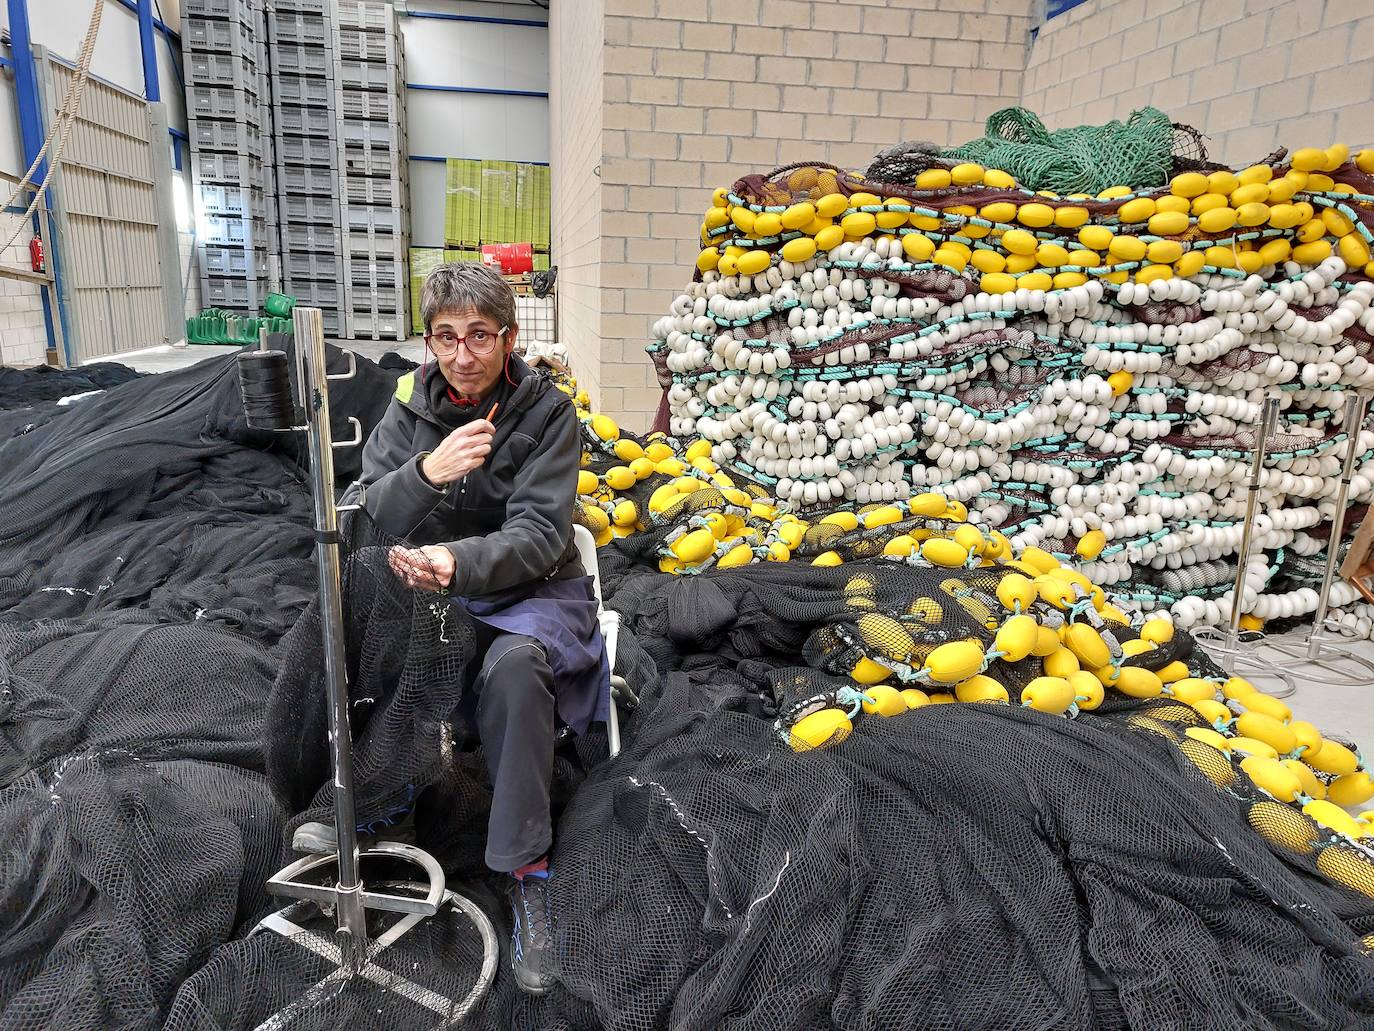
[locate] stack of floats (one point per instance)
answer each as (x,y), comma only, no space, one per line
(297,135)
(941,610)
(1084,372)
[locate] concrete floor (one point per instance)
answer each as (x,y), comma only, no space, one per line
(166,358)
(1320,696)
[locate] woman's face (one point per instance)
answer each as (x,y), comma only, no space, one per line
(471,375)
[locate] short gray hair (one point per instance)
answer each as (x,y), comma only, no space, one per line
(457,285)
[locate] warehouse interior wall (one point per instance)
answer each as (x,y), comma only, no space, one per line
(651,104)
(60,26)
(696,92)
(576,113)
(478,90)
(1250,74)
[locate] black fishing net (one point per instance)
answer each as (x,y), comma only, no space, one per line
(21,388)
(1190,151)
(911,879)
(954,866)
(903,162)
(31,397)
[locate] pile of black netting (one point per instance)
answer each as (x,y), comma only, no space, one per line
(954,867)
(30,397)
(21,388)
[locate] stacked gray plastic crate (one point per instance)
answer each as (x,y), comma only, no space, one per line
(269,164)
(298,157)
(300,35)
(371,141)
(228,112)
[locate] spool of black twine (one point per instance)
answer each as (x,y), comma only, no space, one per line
(265,383)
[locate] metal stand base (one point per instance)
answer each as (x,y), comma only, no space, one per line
(1328,653)
(1239,658)
(410,901)
(285,881)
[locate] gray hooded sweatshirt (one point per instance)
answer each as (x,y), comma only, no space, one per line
(508,522)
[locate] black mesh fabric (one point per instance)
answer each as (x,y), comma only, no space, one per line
(958,866)
(955,866)
(22,388)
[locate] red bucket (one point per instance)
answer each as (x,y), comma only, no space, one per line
(513,259)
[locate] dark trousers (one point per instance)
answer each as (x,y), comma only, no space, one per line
(515,720)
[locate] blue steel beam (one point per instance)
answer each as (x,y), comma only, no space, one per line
(478,19)
(26,85)
(158,23)
(441,160)
(178,138)
(477,89)
(152,86)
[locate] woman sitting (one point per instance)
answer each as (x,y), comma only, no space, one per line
(475,466)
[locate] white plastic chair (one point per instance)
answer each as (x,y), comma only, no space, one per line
(610,630)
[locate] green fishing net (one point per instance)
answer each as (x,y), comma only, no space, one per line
(1081,159)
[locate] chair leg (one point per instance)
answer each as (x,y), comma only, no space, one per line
(613,729)
(620,691)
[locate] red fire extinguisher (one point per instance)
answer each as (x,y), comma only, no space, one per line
(36,254)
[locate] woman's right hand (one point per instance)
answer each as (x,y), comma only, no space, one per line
(462,451)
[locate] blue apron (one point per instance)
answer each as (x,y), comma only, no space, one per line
(562,616)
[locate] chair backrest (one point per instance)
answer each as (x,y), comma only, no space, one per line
(586,550)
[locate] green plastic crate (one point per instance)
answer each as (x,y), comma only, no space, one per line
(524,203)
(423,261)
(499,183)
(462,202)
(542,200)
(279,305)
(532,205)
(218,326)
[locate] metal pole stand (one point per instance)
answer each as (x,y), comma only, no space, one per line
(397,906)
(1226,644)
(1324,648)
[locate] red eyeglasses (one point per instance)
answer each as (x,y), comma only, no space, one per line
(479,342)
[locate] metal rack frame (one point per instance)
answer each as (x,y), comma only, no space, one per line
(349,898)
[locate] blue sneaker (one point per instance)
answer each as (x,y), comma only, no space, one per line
(529,899)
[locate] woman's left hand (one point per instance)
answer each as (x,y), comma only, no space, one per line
(427,569)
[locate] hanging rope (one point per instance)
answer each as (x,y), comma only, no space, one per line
(66,118)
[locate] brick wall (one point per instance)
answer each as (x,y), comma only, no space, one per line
(575,116)
(1251,74)
(695,93)
(23,335)
(699,92)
